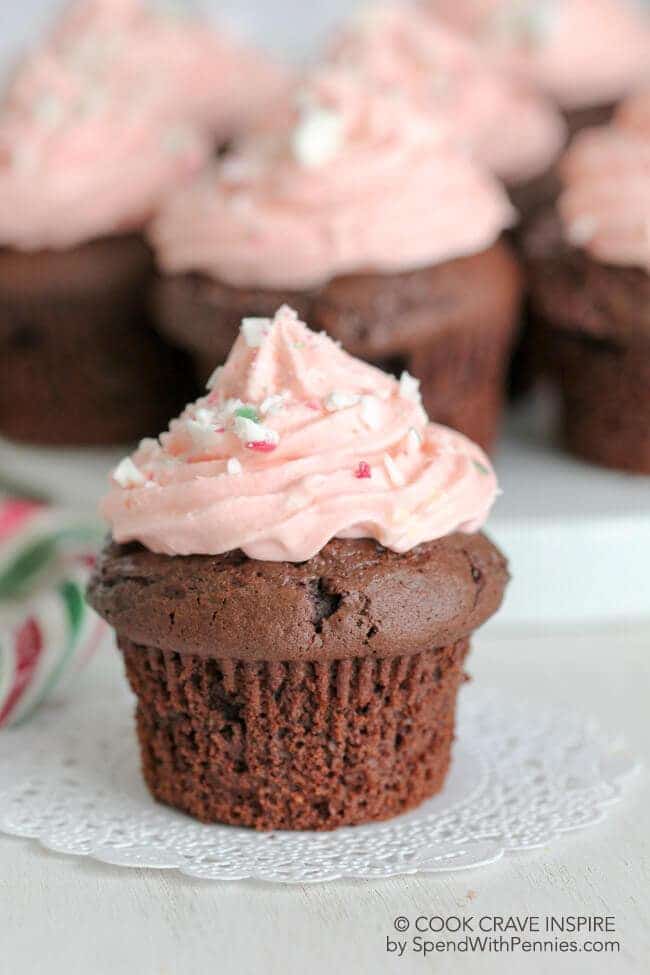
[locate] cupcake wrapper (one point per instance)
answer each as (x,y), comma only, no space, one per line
(294,745)
(605,391)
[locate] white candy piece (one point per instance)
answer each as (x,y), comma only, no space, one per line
(148,443)
(394,473)
(409,387)
(318,137)
(204,418)
(414,439)
(201,435)
(371,412)
(127,475)
(340,401)
(250,432)
(581,230)
(233,466)
(254,331)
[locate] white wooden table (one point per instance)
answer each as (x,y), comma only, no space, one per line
(62,915)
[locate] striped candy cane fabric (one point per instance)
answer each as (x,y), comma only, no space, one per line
(47,631)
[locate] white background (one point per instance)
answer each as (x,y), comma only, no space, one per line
(289,26)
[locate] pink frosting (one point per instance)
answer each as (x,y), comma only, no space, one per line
(605,206)
(582,52)
(298,443)
(511,129)
(194,69)
(361,180)
(103,120)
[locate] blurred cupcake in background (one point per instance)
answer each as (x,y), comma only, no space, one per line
(590,279)
(98,124)
(508,126)
(194,68)
(585,54)
(364,214)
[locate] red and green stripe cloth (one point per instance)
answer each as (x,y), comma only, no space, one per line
(47,631)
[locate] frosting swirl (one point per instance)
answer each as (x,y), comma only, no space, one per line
(360,180)
(581,52)
(399,45)
(298,443)
(605,205)
(107,116)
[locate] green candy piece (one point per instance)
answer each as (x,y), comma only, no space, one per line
(248,412)
(481,468)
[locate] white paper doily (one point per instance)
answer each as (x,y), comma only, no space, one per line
(70,779)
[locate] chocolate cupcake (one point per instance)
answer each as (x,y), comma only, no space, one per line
(590,275)
(95,128)
(295,572)
(365,216)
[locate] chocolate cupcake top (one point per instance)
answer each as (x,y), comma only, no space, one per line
(295,444)
(356,180)
(605,204)
(581,52)
(121,102)
(352,599)
(510,128)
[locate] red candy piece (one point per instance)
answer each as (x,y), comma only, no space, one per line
(363,470)
(263,446)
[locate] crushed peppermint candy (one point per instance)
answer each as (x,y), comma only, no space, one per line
(362,470)
(201,435)
(262,446)
(251,432)
(255,331)
(394,473)
(234,466)
(318,137)
(371,412)
(213,381)
(148,443)
(204,417)
(248,412)
(127,475)
(414,439)
(340,401)
(409,387)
